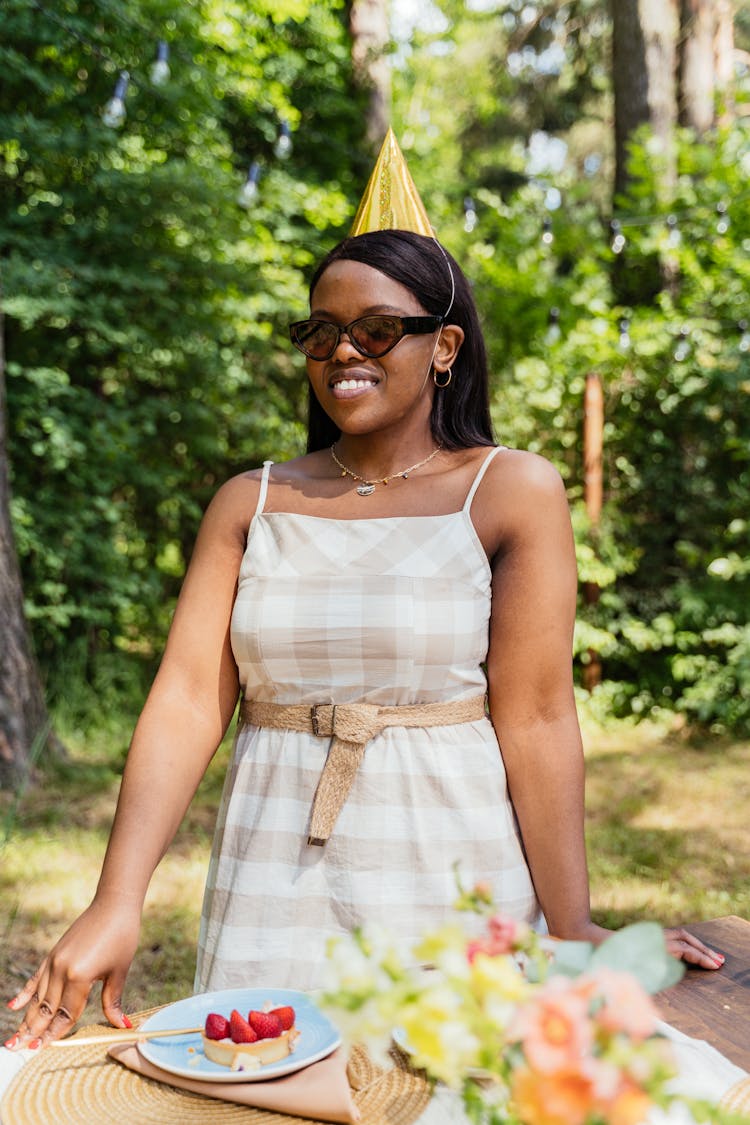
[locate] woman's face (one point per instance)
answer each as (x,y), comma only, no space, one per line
(359,394)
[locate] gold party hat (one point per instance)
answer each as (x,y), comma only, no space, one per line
(391,201)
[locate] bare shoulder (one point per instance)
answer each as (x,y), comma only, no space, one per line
(518,471)
(232,507)
(522,494)
(517,480)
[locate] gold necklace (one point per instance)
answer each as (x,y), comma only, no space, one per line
(367,487)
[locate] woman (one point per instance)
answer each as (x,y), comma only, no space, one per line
(390,565)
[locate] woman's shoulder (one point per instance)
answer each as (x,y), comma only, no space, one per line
(522,469)
(241,494)
(519,493)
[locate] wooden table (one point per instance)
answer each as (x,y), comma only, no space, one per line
(715,1006)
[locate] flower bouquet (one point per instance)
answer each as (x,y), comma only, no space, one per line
(529,1031)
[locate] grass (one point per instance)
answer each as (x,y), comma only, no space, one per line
(667,830)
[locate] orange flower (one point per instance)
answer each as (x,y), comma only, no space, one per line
(627,1006)
(629,1107)
(554,1027)
(562,1098)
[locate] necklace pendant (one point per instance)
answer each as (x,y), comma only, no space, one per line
(365,489)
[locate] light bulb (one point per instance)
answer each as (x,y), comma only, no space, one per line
(553,329)
(283,146)
(624,327)
(682,351)
(114,112)
(248,193)
(722,224)
(470,215)
(617,243)
(160,71)
(547,235)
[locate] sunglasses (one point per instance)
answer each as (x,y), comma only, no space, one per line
(372,336)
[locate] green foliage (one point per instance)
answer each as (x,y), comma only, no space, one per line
(668,555)
(144,309)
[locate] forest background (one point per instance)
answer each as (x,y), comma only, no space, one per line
(589,167)
(145,309)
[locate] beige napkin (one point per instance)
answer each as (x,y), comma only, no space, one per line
(320,1091)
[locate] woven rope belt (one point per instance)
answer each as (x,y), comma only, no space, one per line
(350,726)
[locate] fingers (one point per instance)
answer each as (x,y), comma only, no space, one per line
(686,947)
(22,998)
(112,1000)
(53,1006)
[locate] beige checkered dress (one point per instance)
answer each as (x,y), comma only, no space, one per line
(388,611)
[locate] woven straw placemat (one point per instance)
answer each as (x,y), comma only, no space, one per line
(737,1098)
(82,1086)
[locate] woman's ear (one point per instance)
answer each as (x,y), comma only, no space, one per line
(449,344)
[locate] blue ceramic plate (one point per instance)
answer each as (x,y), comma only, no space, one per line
(183,1055)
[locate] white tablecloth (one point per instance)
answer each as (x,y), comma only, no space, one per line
(703,1073)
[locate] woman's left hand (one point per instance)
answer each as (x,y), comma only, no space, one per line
(686,947)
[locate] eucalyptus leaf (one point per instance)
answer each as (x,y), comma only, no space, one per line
(640,949)
(571,958)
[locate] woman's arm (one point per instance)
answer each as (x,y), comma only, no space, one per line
(532,704)
(182,723)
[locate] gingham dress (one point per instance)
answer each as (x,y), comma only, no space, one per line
(391,610)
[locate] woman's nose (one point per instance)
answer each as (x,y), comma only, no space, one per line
(345,342)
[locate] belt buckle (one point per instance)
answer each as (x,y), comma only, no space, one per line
(316,720)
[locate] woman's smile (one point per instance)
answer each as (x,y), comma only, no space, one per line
(351,383)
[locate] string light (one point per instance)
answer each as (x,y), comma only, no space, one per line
(160,71)
(547,235)
(283,146)
(722,210)
(682,351)
(674,238)
(617,242)
(744,344)
(624,330)
(248,193)
(470,214)
(554,331)
(114,112)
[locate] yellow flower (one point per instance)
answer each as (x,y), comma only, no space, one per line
(438,1035)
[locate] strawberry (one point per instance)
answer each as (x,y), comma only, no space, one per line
(266,1024)
(217,1027)
(240,1029)
(286,1015)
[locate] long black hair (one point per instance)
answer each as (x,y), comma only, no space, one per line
(460,415)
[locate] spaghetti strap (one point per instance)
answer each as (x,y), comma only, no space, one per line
(263,487)
(482,470)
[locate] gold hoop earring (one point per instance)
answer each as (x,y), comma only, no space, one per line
(442,386)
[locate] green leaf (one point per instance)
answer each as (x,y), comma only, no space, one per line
(640,949)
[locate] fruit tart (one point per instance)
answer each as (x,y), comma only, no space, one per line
(247,1044)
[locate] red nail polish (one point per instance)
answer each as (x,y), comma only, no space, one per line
(127,1022)
(10,1043)
(34,1045)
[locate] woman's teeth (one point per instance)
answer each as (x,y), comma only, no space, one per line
(352,384)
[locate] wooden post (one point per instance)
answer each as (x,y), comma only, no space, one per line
(593,441)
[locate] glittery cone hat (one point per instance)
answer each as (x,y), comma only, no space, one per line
(391,201)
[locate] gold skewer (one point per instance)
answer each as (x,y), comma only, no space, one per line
(122,1036)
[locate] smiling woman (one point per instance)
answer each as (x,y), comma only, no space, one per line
(403,661)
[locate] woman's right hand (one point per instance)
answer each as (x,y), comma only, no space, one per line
(100,945)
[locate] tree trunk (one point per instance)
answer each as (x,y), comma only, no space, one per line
(24,722)
(368,26)
(724,59)
(644,58)
(697,64)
